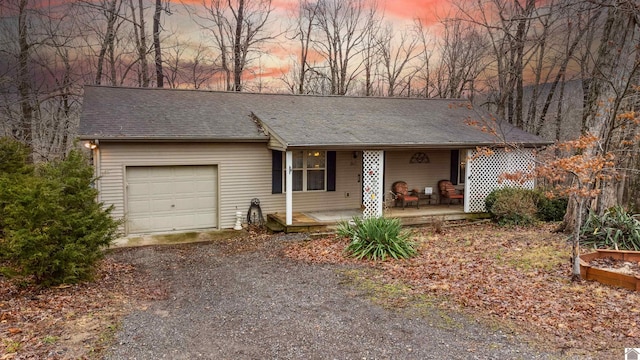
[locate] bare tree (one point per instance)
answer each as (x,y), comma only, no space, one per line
(111,10)
(239,28)
(424,76)
(506,23)
(305,18)
(39,91)
(23,74)
(609,111)
(397,55)
(579,19)
(342,27)
(371,59)
(462,56)
(140,37)
(189,65)
(156,44)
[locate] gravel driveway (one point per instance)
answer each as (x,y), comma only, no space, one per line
(255,304)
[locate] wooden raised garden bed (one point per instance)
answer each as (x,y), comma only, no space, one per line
(610,276)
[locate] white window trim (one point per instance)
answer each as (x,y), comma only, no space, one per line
(305,169)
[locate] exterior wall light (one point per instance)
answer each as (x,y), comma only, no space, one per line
(91,144)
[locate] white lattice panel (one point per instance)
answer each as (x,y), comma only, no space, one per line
(483,174)
(372,191)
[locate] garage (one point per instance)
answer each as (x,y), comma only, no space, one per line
(167,198)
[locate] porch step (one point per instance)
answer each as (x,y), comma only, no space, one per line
(276,224)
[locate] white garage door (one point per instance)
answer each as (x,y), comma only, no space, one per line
(165,198)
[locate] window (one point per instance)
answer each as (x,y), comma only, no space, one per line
(309,170)
(311,173)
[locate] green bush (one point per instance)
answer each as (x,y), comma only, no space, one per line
(550,209)
(377,238)
(52,227)
(14,158)
(512,206)
(515,206)
(615,229)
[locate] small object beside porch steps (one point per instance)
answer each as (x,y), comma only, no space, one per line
(238,225)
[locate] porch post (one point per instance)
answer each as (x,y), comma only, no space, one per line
(372,178)
(289,187)
(468,185)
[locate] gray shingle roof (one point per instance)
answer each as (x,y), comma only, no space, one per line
(165,114)
(298,121)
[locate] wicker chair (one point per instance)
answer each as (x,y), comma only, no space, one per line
(402,194)
(448,192)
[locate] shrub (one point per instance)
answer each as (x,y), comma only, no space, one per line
(53,229)
(14,158)
(512,206)
(377,238)
(615,229)
(550,209)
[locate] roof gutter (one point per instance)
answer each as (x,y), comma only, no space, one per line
(406,146)
(141,139)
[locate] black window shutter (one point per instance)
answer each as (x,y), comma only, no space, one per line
(331,171)
(455,161)
(276,172)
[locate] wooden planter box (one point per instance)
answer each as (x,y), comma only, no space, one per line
(609,277)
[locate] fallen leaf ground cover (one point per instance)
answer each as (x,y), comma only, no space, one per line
(516,277)
(64,322)
(79,321)
(519,277)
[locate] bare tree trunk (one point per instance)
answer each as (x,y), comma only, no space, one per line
(24,79)
(141,42)
(156,44)
(108,39)
(559,76)
(307,12)
(111,51)
(616,65)
(521,37)
(559,113)
(144,67)
(237,48)
(575,240)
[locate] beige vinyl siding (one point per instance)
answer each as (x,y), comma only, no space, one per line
(348,171)
(244,172)
(417,176)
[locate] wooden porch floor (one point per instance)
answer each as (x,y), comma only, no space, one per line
(321,221)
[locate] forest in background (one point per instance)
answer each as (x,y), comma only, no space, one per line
(556,68)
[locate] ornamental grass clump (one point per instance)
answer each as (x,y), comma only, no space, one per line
(377,238)
(616,229)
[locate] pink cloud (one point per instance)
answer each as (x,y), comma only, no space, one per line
(428,11)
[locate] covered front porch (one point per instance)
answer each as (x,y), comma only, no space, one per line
(326,220)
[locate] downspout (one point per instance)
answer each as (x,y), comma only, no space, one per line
(96,168)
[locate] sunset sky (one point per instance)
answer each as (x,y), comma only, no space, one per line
(279,54)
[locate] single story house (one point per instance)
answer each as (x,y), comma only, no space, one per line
(172,159)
